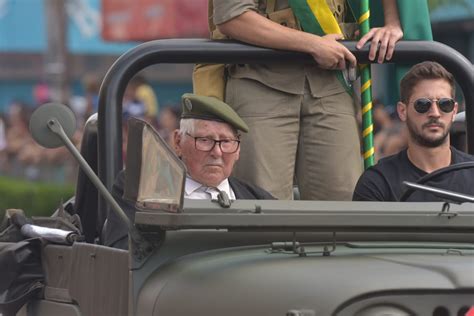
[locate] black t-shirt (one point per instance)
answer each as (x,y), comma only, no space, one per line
(383,182)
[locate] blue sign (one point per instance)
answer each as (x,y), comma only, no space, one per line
(23,28)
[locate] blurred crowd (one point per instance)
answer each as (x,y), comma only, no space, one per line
(22,157)
(390,134)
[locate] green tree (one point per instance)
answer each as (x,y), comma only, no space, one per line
(36,199)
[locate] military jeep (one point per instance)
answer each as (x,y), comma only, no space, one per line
(201,257)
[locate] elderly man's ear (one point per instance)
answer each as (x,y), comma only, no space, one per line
(177,142)
(402,111)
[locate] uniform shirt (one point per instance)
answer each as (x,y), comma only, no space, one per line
(288,77)
(383,182)
(195,190)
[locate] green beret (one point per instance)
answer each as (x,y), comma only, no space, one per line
(209,108)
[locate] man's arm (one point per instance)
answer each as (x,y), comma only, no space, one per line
(386,36)
(252,28)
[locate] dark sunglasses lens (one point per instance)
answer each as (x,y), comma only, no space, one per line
(446,105)
(422,105)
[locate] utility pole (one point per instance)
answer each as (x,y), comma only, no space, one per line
(56,55)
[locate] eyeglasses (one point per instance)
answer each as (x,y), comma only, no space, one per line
(228,146)
(424,104)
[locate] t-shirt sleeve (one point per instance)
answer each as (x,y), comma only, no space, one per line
(371,187)
(225,10)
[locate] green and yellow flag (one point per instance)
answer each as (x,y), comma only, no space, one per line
(414,18)
(315,16)
(416,25)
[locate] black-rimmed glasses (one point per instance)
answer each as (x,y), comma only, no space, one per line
(228,146)
(424,104)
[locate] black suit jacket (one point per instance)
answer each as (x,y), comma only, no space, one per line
(115,231)
(245,191)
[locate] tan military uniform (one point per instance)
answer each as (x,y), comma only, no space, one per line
(300,118)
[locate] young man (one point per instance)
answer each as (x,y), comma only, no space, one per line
(428,108)
(208,143)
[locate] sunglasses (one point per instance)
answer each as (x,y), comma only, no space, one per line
(424,104)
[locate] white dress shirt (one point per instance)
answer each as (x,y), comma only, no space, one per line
(195,190)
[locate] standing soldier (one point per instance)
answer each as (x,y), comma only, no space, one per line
(302,117)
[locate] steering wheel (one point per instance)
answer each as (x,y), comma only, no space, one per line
(437,173)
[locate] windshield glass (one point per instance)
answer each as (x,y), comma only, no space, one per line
(154,174)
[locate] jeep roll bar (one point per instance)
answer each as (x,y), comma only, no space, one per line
(231,52)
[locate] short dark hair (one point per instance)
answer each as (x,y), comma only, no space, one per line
(423,71)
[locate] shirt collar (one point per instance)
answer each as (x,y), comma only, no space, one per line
(192,185)
(224,186)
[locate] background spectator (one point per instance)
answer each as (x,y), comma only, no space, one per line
(143,93)
(91,84)
(168,122)
(390,134)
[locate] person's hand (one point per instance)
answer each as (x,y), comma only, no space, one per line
(330,54)
(386,36)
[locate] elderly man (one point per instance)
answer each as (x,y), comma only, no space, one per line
(428,108)
(208,142)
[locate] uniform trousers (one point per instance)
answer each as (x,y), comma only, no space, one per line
(314,140)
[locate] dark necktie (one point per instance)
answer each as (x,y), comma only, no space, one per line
(221,196)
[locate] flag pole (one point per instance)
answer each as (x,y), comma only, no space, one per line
(366,93)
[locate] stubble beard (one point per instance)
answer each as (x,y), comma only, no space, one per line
(424,141)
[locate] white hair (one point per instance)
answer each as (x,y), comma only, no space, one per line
(188,125)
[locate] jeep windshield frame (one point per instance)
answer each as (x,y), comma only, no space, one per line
(231,52)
